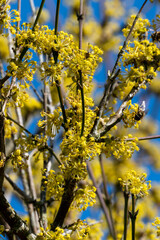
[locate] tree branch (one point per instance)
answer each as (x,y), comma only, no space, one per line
(17,225)
(109,86)
(118,115)
(66,202)
(103,205)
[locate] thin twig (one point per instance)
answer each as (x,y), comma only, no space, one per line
(127,38)
(57,17)
(18,190)
(104,179)
(26,180)
(111,78)
(108,200)
(143,138)
(103,205)
(33,136)
(80,82)
(19,10)
(32,6)
(25,49)
(80,20)
(37,94)
(118,115)
(55,55)
(43,208)
(129,139)
(126,198)
(18,124)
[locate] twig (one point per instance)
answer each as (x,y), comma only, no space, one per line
(17,123)
(80,20)
(118,115)
(37,94)
(43,208)
(80,82)
(61,103)
(18,190)
(19,10)
(32,191)
(126,198)
(25,49)
(2,150)
(26,181)
(33,136)
(108,200)
(127,38)
(104,179)
(129,139)
(143,138)
(55,55)
(57,17)
(103,205)
(83,103)
(133,216)
(32,6)
(111,78)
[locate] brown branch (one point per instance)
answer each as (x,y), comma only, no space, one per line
(43,207)
(118,115)
(66,202)
(127,38)
(103,205)
(17,225)
(18,190)
(129,139)
(2,150)
(109,86)
(27,183)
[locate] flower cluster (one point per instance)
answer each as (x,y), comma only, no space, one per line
(140,28)
(59,234)
(55,185)
(17,159)
(84,197)
(6,17)
(54,120)
(135,184)
(30,142)
(24,71)
(157,225)
(120,148)
(129,115)
(79,230)
(70,57)
(9,128)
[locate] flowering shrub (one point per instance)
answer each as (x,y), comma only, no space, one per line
(69,149)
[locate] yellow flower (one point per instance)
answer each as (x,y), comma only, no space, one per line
(135,184)
(157,225)
(4,50)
